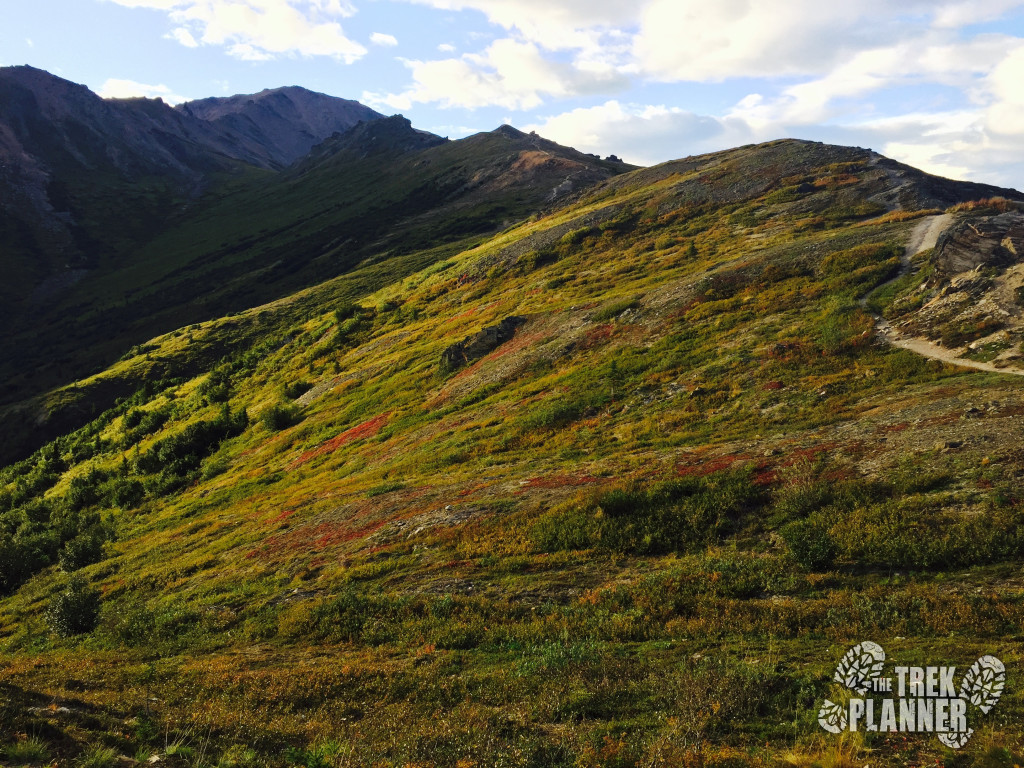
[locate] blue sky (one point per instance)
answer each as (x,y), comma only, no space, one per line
(938,83)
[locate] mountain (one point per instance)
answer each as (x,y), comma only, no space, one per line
(553,461)
(83,178)
(284,123)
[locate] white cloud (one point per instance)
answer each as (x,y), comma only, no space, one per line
(697,40)
(927,59)
(29,42)
(246,52)
(595,32)
(114,88)
(965,12)
(512,74)
(183,36)
(702,41)
(642,134)
(446,48)
(261,29)
(379,38)
(554,25)
(162,5)
(1006,114)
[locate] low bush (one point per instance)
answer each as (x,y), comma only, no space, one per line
(671,516)
(81,551)
(74,610)
(810,542)
(98,756)
(29,751)
(278,417)
(296,389)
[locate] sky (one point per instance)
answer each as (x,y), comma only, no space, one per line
(938,84)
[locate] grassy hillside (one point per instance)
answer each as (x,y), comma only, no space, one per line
(617,486)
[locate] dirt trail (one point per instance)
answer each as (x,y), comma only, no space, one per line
(923,237)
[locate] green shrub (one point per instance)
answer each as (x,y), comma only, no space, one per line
(563,530)
(345,311)
(138,424)
(672,516)
(837,330)
(278,417)
(83,491)
(21,556)
(553,414)
(176,457)
(75,610)
(322,755)
(386,487)
(133,418)
(810,542)
(341,618)
(296,389)
(98,756)
(613,310)
(128,493)
(81,551)
(217,386)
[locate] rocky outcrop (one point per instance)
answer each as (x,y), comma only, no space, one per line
(479,344)
(994,241)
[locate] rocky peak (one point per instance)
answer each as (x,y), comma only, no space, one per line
(286,122)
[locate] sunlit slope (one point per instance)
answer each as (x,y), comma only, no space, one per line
(619,482)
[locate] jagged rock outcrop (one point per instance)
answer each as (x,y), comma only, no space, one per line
(981,241)
(481,343)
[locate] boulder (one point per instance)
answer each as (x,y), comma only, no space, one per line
(486,340)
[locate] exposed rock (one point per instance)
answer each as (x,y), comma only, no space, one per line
(481,343)
(994,241)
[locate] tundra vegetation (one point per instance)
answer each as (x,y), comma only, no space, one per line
(641,531)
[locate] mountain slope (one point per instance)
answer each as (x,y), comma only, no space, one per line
(618,485)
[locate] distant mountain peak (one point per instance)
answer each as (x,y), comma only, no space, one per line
(287,121)
(507,130)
